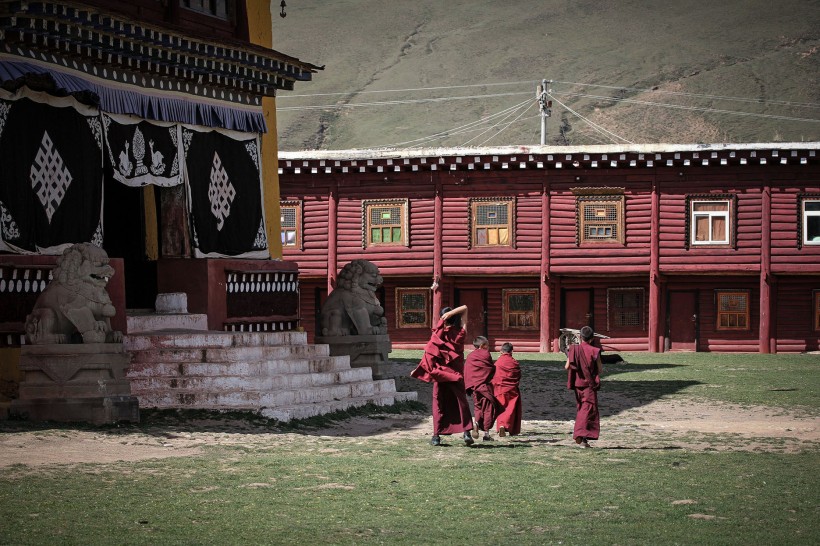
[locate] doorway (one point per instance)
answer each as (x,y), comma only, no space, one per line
(576,308)
(476,302)
(682,321)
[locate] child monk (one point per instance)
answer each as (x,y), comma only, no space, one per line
(443,365)
(584,377)
(478,371)
(505,389)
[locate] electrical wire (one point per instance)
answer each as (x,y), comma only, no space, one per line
(694,108)
(497,124)
(457,130)
(699,95)
(395,102)
(506,126)
(405,90)
(591,123)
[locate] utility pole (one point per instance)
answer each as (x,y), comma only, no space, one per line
(545,106)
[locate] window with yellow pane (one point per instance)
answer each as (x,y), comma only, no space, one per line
(384,222)
(491,222)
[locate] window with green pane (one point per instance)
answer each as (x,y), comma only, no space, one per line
(385,222)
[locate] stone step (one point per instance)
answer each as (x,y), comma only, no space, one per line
(224,383)
(228,354)
(257,369)
(304,411)
(256,400)
(187,339)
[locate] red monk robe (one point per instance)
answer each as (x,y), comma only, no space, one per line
(443,365)
(583,377)
(478,371)
(505,388)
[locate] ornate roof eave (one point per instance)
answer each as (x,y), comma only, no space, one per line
(553,158)
(75,33)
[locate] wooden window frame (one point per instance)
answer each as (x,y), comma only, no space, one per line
(403,224)
(610,309)
(816,309)
(297,205)
(473,225)
(591,196)
(400,291)
(803,216)
(731,219)
(719,313)
(506,313)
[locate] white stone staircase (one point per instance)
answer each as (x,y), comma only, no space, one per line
(275,374)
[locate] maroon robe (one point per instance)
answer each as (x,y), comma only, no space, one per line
(582,377)
(443,365)
(505,388)
(478,371)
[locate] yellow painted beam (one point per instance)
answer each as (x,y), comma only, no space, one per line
(260,31)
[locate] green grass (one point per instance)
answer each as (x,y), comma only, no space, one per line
(301,487)
(406,492)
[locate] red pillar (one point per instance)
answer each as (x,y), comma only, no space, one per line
(655,319)
(332,229)
(766,343)
(546,297)
(438,251)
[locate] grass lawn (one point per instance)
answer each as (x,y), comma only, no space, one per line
(299,485)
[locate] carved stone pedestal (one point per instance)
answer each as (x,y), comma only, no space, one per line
(75,382)
(364,351)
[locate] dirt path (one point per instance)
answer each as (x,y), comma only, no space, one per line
(676,423)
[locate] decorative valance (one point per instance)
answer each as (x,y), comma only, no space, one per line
(139,98)
(57,156)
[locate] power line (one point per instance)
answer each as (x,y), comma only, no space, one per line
(497,124)
(395,102)
(699,95)
(591,123)
(506,126)
(695,108)
(404,90)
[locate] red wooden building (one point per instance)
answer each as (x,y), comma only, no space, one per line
(659,247)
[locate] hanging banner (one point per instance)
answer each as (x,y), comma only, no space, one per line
(140,152)
(51,177)
(224,183)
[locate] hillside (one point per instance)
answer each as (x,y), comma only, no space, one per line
(728,71)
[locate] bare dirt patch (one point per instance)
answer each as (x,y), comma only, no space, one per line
(664,423)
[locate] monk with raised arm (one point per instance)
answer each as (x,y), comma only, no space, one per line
(443,365)
(584,368)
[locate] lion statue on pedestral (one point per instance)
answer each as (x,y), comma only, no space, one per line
(352,308)
(75,304)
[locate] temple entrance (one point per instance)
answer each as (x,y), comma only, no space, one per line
(682,318)
(124,221)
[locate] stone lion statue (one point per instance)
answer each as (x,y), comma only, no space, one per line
(75,304)
(352,308)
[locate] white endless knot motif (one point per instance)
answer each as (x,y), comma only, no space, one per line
(49,176)
(221,192)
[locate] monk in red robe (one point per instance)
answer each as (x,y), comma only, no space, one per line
(584,368)
(478,372)
(443,365)
(505,388)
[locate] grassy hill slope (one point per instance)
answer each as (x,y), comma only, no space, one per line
(687,55)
